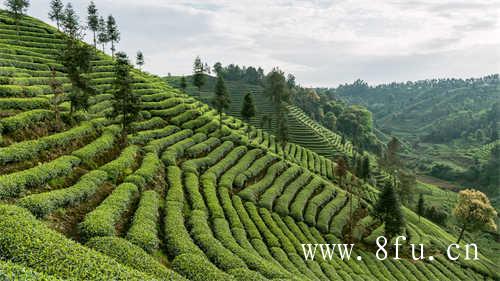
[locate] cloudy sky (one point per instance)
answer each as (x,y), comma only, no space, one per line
(322,42)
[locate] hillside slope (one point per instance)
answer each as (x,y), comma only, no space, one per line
(181,201)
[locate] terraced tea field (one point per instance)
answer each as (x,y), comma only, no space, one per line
(181,201)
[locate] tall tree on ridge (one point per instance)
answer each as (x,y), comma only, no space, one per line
(125,102)
(113,33)
(57,91)
(221,99)
(17,8)
(420,206)
(70,23)
(139,60)
(93,21)
(56,12)
(198,75)
(248,110)
(102,33)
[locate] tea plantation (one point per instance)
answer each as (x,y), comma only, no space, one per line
(180,202)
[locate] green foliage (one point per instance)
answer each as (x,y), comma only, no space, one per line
(55,254)
(112,33)
(199,78)
(198,268)
(41,204)
(13,184)
(122,165)
(146,174)
(126,103)
(56,12)
(102,220)
(93,20)
(24,120)
(101,144)
(144,230)
(13,271)
(388,210)
(132,256)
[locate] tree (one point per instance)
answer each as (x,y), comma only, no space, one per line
(70,23)
(183,83)
(102,33)
(276,90)
(113,34)
(283,133)
(474,212)
(420,206)
(126,103)
(93,21)
(341,171)
(248,109)
(57,91)
(388,210)
(218,69)
(366,168)
(75,58)
(139,60)
(56,12)
(221,99)
(408,181)
(198,76)
(17,8)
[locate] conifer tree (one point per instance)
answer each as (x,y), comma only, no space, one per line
(366,168)
(276,89)
(70,23)
(248,109)
(126,104)
(183,83)
(198,75)
(93,21)
(139,60)
(221,99)
(102,33)
(17,8)
(388,210)
(56,12)
(420,206)
(113,34)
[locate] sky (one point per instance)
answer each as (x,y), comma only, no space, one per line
(323,43)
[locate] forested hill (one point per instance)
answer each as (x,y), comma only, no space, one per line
(450,125)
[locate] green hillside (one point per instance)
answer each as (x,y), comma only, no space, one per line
(181,201)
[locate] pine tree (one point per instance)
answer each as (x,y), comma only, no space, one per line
(183,83)
(277,91)
(366,168)
(388,210)
(113,34)
(70,23)
(420,206)
(93,21)
(17,8)
(126,103)
(221,99)
(248,109)
(139,60)
(75,58)
(198,75)
(102,33)
(56,12)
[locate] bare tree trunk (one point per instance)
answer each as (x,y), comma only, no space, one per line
(461,234)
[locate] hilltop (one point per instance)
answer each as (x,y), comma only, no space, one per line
(182,200)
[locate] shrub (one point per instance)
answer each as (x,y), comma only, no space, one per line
(102,220)
(198,268)
(132,256)
(283,202)
(311,211)
(30,149)
(158,145)
(252,192)
(103,143)
(44,203)
(256,168)
(144,229)
(123,164)
(24,120)
(171,154)
(300,201)
(203,147)
(268,197)
(330,209)
(142,137)
(13,184)
(153,123)
(13,271)
(24,103)
(177,238)
(30,243)
(200,164)
(150,168)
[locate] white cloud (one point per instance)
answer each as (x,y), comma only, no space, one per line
(322,42)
